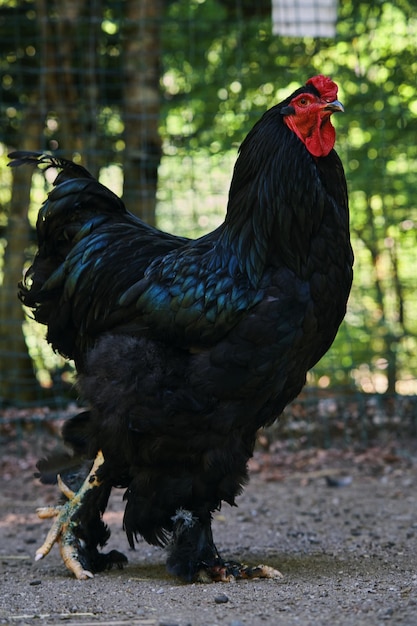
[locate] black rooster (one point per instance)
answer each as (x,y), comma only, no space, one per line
(183,348)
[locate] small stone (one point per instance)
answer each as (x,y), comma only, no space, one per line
(221,598)
(338,481)
(34,583)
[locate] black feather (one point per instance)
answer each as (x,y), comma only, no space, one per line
(69,169)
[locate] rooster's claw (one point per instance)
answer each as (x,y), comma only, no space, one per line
(63,529)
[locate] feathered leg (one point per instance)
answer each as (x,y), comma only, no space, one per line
(78,528)
(193,555)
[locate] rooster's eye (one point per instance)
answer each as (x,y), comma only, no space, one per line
(303,102)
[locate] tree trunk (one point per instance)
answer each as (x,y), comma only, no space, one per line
(59,93)
(18,384)
(69,86)
(141,106)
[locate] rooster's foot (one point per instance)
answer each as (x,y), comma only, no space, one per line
(231,570)
(64,528)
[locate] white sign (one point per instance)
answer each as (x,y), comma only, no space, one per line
(304,18)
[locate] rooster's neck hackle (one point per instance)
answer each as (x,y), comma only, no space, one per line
(277,196)
(272,211)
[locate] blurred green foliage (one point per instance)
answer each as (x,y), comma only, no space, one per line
(221,67)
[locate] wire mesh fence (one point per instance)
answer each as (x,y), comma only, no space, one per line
(154,98)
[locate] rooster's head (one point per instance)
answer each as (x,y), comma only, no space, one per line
(307,113)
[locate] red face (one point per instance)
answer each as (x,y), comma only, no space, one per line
(311,118)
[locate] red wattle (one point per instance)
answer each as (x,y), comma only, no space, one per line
(321,138)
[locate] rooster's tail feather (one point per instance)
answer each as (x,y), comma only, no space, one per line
(69,169)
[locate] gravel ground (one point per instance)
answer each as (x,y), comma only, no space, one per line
(342,530)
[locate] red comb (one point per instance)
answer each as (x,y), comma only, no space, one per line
(325,86)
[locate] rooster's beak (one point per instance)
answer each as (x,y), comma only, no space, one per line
(334,106)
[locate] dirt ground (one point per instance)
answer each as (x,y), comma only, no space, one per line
(341,527)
